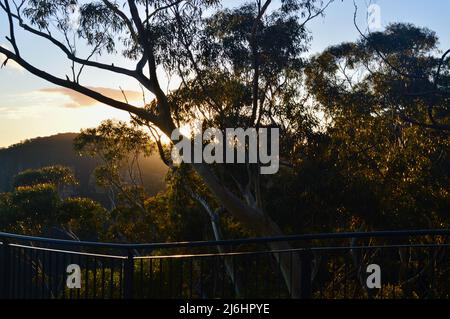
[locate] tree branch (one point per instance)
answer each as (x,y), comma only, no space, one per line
(168,6)
(255,53)
(79,88)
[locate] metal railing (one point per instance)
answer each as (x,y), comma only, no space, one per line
(414,264)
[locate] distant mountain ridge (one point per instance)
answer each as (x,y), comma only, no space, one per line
(58,150)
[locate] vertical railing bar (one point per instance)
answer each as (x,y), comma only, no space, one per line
(393,286)
(257,293)
(278,283)
(432,285)
(17,270)
(10,293)
(121,292)
(71,290)
(79,290)
(21,261)
(233,261)
(214,277)
(111,279)
(37,271)
(291,273)
(30,275)
(34,273)
(120,280)
(201,278)
(18,273)
(57,272)
(6,270)
(269,274)
(191,275)
(141,281)
(63,275)
(333,288)
(181,277)
(86,278)
(170,276)
(305,276)
(222,261)
(129,275)
(50,274)
(103,277)
(382,281)
(321,281)
(245,266)
(94,278)
(67,292)
(43,270)
(13,273)
(161,291)
(20,279)
(150,286)
(28,272)
(345,278)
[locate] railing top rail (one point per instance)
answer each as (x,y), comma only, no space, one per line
(259,240)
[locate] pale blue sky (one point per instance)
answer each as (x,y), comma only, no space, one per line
(27,112)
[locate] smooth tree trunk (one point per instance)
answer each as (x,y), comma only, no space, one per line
(259,222)
(215,225)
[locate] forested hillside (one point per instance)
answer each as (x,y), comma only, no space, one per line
(59,150)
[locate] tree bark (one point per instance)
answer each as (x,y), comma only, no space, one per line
(261,223)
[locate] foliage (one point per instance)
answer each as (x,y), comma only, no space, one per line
(85,218)
(38,208)
(364,125)
(57,175)
(120,148)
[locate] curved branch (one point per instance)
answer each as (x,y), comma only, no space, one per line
(255,53)
(139,76)
(79,88)
(168,6)
(441,62)
(12,37)
(123,16)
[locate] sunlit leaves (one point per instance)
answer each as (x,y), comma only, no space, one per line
(56,175)
(120,147)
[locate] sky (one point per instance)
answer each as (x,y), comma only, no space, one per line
(31,107)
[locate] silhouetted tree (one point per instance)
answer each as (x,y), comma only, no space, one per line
(258,49)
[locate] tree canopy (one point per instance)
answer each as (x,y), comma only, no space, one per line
(364,125)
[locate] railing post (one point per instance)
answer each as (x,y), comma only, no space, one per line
(128,275)
(6,270)
(305,276)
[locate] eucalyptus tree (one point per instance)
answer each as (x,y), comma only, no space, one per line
(120,149)
(238,68)
(387,96)
(62,177)
(401,72)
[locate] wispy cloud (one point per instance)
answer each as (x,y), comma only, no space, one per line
(15,113)
(26,105)
(34,104)
(77,100)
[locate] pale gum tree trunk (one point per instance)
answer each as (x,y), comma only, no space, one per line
(256,220)
(214,219)
(252,218)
